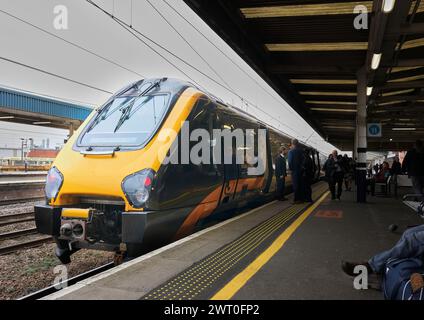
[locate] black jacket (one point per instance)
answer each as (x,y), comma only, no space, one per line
(331,167)
(309,167)
(396,168)
(413,163)
(280,166)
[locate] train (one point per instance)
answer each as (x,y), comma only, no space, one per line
(122,182)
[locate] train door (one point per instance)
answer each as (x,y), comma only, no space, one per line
(232,169)
(253,172)
(319,165)
(192,180)
(269,169)
(314,161)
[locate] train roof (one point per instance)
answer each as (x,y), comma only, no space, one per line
(175,86)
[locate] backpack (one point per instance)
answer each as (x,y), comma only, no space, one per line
(396,280)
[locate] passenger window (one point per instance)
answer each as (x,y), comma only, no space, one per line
(204,117)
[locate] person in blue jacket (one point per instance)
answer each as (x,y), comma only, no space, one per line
(296,160)
(410,245)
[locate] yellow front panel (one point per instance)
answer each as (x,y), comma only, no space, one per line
(75,213)
(103,175)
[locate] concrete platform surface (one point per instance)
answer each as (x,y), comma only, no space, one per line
(134,279)
(306,267)
(309,265)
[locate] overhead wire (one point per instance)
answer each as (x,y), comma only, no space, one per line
(71,43)
(188,43)
(226,55)
(54,75)
(132,30)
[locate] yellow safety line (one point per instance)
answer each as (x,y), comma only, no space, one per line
(232,287)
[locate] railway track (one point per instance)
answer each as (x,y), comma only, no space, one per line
(25,245)
(16,218)
(52,289)
(17,234)
(20,200)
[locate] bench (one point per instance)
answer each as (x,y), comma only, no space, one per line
(415,202)
(384,187)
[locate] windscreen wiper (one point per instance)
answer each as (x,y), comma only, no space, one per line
(102,113)
(127,110)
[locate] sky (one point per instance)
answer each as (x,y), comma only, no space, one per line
(103,57)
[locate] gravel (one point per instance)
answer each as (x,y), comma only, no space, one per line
(18,208)
(30,270)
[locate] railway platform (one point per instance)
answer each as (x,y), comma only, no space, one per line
(277,251)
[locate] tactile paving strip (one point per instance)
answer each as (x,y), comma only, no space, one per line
(193,281)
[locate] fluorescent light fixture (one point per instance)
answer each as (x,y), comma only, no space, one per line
(333,110)
(388,5)
(369,91)
(339,127)
(41,122)
(328,93)
(375,63)
(322,46)
(7,117)
(404,129)
(346,103)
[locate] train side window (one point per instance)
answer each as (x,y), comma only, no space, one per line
(204,117)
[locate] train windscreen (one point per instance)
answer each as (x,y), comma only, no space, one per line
(127,121)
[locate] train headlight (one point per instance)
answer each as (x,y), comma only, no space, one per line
(137,187)
(54,182)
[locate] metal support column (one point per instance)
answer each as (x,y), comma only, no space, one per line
(71,129)
(361,132)
(355,145)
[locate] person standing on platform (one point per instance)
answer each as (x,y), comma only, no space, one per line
(413,164)
(308,176)
(395,170)
(334,170)
(281,173)
(296,162)
(348,172)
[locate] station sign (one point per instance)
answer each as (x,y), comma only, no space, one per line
(374,130)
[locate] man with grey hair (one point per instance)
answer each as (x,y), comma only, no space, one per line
(296,162)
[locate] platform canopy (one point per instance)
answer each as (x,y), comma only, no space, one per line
(310,51)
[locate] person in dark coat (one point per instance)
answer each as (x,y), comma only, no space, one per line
(296,161)
(334,170)
(396,167)
(281,173)
(395,170)
(308,175)
(413,164)
(327,168)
